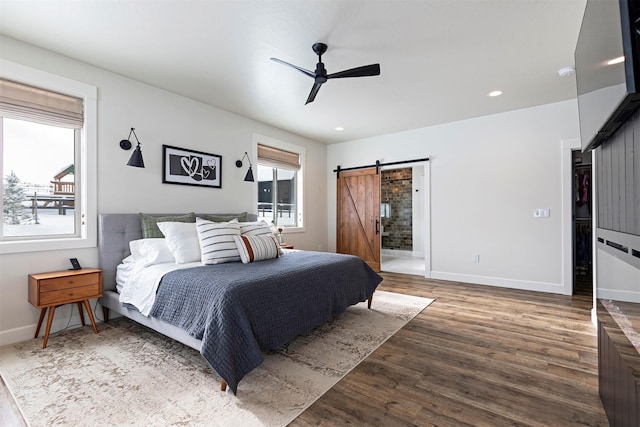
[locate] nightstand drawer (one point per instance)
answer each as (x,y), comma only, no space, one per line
(70,282)
(65,295)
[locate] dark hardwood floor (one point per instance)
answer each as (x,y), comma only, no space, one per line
(478,356)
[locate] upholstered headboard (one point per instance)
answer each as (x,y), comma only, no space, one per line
(115,231)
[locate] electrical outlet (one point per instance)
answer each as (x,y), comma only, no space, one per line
(475,257)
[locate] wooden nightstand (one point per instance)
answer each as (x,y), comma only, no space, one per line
(51,290)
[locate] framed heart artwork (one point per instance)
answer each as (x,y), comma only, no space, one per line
(189,167)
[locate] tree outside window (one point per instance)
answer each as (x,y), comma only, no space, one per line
(14,211)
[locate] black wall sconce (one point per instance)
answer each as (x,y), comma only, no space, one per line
(136,157)
(249,176)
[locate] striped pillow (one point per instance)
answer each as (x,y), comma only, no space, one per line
(257,248)
(216,241)
(255,228)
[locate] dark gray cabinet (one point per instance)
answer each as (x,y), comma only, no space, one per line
(619,373)
(618,179)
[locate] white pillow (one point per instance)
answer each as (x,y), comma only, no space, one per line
(182,240)
(150,251)
(256,228)
(257,248)
(216,241)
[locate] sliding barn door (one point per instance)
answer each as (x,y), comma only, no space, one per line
(358,216)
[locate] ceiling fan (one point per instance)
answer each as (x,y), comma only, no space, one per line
(320,76)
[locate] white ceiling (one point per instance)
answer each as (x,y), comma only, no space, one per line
(438,58)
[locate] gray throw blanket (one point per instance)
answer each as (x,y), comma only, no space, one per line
(239,310)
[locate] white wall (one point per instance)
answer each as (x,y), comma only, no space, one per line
(617,279)
(487,176)
(159,118)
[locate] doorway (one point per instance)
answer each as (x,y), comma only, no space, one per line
(582,225)
(402,220)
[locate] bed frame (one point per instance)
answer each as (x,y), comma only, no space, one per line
(115,231)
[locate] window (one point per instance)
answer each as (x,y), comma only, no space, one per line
(38,193)
(280,185)
(48,163)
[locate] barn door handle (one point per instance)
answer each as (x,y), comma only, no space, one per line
(377,226)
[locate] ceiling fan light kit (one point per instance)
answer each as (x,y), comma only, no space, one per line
(320,75)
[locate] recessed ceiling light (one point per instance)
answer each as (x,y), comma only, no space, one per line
(495,93)
(615,60)
(566,71)
(339,128)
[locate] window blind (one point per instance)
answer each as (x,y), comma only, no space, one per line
(25,102)
(277,158)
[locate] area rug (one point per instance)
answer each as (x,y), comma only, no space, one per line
(130,375)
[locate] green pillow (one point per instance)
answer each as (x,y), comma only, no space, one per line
(149,223)
(242,217)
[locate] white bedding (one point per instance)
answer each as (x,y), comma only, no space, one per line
(138,278)
(137,282)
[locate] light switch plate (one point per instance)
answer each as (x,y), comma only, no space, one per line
(541,213)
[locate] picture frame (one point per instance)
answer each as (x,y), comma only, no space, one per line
(189,167)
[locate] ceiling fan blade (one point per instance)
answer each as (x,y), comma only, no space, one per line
(302,70)
(313,93)
(366,70)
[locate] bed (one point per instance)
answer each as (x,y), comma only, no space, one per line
(233,312)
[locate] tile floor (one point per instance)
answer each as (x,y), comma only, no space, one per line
(402,264)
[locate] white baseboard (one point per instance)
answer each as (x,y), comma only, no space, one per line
(25,333)
(618,295)
(13,336)
(554,288)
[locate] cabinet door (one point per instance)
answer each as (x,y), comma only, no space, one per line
(619,389)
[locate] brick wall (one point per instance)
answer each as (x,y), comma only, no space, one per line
(396,189)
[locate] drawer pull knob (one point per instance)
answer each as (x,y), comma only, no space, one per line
(71,281)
